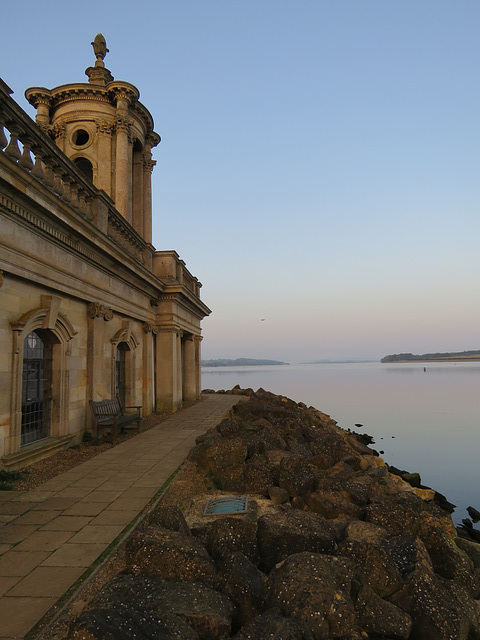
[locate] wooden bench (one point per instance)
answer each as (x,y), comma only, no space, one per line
(110,413)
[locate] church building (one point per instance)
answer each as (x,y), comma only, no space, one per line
(89,310)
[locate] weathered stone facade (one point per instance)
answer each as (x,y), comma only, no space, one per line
(88,308)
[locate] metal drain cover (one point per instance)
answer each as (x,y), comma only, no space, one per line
(226,504)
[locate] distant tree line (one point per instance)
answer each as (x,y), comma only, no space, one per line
(407,357)
(239,362)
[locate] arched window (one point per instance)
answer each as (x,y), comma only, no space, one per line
(85,166)
(36,387)
(120,372)
(40,375)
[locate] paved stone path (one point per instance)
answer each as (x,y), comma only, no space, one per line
(51,535)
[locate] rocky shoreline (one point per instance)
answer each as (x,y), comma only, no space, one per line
(333,545)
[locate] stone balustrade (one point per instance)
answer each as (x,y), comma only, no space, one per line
(24,143)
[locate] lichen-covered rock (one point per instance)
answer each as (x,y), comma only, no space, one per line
(277,495)
(315,589)
(228,535)
(296,476)
(373,566)
(409,554)
(170,517)
(265,439)
(285,533)
(364,532)
(125,622)
(333,504)
(245,585)
(380,617)
(215,453)
(170,555)
(438,608)
(327,444)
(252,477)
(273,625)
(472,549)
(173,604)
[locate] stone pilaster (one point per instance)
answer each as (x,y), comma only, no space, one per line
(189,372)
(167,370)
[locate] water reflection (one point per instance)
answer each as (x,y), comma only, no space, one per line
(425,421)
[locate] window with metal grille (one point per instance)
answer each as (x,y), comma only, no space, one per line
(120,375)
(36,382)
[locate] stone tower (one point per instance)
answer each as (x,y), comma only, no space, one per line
(104,129)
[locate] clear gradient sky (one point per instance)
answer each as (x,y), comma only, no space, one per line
(319,165)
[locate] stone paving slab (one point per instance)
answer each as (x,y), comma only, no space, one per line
(51,535)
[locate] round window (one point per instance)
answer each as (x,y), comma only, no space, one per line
(80,137)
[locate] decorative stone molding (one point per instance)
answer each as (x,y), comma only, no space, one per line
(58,130)
(148,164)
(97,310)
(126,335)
(105,127)
(123,124)
(147,327)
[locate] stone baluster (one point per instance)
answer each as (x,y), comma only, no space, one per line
(3,137)
(37,170)
(12,149)
(88,207)
(49,176)
(57,179)
(26,160)
(74,196)
(82,205)
(67,190)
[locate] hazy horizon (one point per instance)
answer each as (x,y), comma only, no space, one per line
(319,164)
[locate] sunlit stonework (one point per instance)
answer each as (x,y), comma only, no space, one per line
(105,314)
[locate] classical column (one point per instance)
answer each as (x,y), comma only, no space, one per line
(179,368)
(104,157)
(198,366)
(189,373)
(138,193)
(148,165)
(147,370)
(166,367)
(123,169)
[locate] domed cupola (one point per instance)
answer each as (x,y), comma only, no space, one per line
(104,129)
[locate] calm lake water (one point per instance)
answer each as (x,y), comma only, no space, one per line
(425,421)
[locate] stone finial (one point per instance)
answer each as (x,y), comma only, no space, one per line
(99,74)
(100,47)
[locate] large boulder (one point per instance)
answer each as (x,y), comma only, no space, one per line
(327,444)
(245,585)
(373,566)
(380,617)
(126,622)
(315,589)
(333,504)
(159,552)
(228,535)
(440,610)
(273,625)
(296,476)
(284,533)
(168,517)
(134,607)
(252,477)
(472,549)
(214,453)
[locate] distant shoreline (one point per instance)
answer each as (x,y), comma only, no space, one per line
(240,362)
(453,359)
